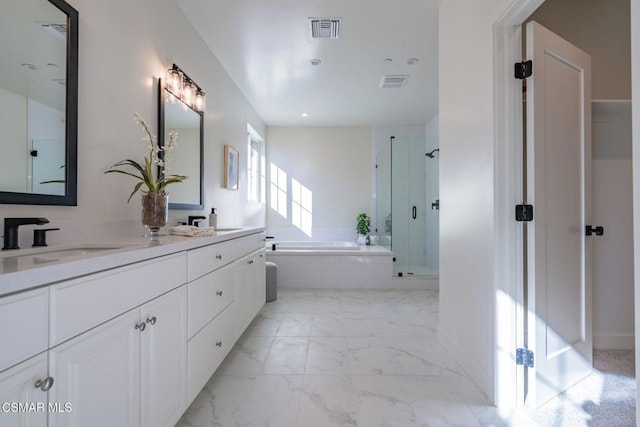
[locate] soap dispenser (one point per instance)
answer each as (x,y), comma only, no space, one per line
(213,219)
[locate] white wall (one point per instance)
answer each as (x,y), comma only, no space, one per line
(635,108)
(335,164)
(600,28)
(613,322)
(124,47)
(13,162)
(467,196)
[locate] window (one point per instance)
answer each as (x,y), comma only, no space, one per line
(256,167)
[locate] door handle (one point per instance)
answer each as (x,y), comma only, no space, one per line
(598,230)
(414,212)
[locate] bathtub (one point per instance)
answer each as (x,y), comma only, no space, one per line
(313,246)
(331,264)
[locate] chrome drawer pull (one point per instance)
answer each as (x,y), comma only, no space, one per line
(219,344)
(219,256)
(219,293)
(142,326)
(44,384)
(152,320)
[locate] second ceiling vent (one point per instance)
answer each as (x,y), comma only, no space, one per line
(393,81)
(325,28)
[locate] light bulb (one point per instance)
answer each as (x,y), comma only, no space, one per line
(200,100)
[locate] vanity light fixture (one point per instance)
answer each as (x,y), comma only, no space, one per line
(185,89)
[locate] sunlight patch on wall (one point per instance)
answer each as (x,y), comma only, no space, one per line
(278,179)
(301,207)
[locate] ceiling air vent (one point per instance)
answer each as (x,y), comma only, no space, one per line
(325,28)
(393,82)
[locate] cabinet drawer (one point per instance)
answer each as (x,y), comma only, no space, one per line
(208,349)
(250,243)
(209,258)
(23,326)
(209,295)
(80,304)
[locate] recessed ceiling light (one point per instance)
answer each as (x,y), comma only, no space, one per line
(412,61)
(28,66)
(305,114)
(315,62)
(388,60)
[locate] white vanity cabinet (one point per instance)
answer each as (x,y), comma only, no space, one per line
(221,292)
(131,345)
(18,385)
(250,289)
(129,371)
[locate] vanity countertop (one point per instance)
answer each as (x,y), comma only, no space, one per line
(25,269)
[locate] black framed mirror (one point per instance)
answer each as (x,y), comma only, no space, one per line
(187,159)
(39,103)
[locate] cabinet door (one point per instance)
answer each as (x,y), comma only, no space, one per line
(259,282)
(208,348)
(163,359)
(17,387)
(242,296)
(23,326)
(98,374)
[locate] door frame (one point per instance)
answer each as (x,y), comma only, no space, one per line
(507,50)
(508,178)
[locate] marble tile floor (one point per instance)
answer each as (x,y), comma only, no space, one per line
(368,358)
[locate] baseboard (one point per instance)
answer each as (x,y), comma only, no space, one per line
(473,370)
(416,282)
(614,341)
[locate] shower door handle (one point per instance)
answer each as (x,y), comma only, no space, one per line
(414,212)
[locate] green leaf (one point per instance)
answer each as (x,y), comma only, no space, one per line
(124,173)
(135,190)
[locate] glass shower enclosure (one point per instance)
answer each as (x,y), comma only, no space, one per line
(407,204)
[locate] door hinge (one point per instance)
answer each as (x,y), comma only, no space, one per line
(524,213)
(524,357)
(523,69)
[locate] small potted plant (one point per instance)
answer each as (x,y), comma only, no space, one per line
(152,175)
(363,227)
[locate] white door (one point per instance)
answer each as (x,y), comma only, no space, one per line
(558,185)
(163,359)
(98,372)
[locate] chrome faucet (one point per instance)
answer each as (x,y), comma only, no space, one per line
(11,230)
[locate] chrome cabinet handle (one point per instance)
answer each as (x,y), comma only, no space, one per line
(142,326)
(219,256)
(219,293)
(261,255)
(44,384)
(218,343)
(250,261)
(152,320)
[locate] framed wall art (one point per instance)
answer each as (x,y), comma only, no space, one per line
(231,167)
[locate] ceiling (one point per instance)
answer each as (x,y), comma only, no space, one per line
(266,48)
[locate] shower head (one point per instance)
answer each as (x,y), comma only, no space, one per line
(431,154)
